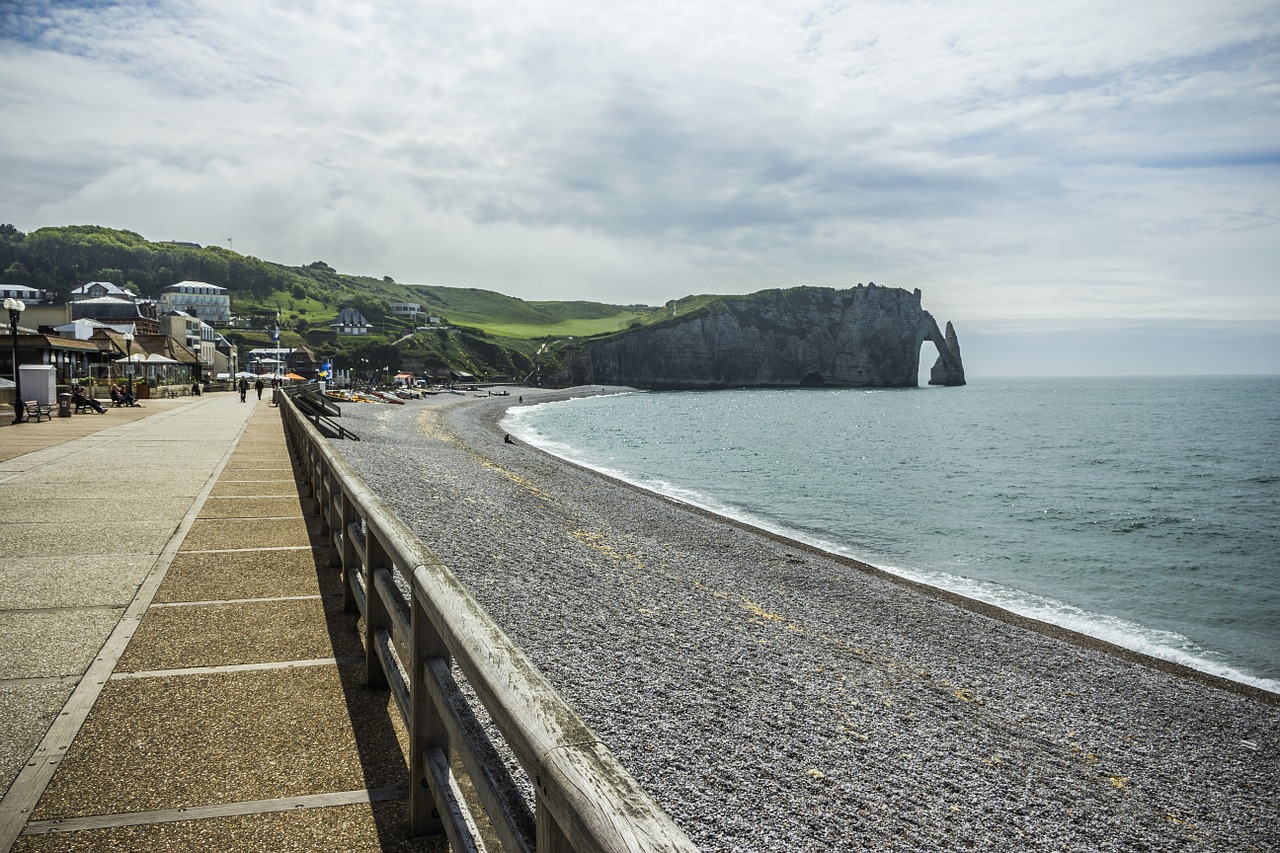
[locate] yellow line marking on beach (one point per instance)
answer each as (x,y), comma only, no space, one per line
(758,611)
(599,542)
(429,423)
(767,616)
(522,482)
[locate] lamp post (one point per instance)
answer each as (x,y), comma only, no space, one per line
(15,308)
(128,353)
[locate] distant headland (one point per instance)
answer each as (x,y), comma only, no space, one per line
(865,336)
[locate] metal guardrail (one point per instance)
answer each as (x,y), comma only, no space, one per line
(317,408)
(585,801)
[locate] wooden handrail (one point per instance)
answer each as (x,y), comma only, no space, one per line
(584,799)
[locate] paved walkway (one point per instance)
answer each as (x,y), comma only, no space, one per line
(179,673)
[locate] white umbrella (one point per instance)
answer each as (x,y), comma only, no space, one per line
(244,374)
(136,358)
(156,358)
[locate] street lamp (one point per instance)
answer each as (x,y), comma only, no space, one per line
(128,358)
(15,308)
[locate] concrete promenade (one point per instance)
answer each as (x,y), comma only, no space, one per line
(178,671)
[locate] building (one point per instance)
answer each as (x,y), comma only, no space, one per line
(350,322)
(30,295)
(299,360)
(209,302)
(193,333)
(99,289)
(84,328)
(117,311)
(410,310)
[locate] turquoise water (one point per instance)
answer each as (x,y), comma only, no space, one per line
(1145,511)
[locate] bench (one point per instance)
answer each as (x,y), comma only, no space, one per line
(37,410)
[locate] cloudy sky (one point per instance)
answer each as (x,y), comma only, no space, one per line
(1081,186)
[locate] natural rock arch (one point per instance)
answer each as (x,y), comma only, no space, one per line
(949,368)
(800,337)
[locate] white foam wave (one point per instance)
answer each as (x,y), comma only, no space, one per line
(1157,643)
(1165,645)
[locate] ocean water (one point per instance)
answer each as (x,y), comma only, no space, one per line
(1144,511)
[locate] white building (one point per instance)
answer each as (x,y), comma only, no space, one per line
(198,299)
(412,310)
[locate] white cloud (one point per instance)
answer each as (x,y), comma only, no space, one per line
(1013,160)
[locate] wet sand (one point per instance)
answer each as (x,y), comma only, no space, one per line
(774,697)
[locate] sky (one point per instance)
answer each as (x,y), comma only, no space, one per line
(1080,186)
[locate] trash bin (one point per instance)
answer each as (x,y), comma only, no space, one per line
(64,405)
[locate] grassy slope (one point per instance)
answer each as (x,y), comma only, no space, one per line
(508,317)
(271,293)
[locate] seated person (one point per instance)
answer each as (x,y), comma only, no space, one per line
(82,399)
(126,395)
(117,399)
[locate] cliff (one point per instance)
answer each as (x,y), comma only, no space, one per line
(806,336)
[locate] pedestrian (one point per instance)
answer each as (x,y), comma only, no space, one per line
(259,386)
(81,399)
(244,388)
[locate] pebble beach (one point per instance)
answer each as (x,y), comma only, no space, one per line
(773,697)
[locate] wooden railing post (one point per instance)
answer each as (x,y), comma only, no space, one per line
(426,727)
(376,617)
(347,557)
(550,838)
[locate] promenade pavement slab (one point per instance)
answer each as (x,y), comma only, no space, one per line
(198,640)
(86,514)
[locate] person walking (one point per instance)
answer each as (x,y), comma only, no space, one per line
(244,388)
(258,386)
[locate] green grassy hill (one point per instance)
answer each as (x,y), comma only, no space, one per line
(509,317)
(490,333)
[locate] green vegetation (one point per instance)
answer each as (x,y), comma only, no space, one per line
(488,333)
(481,332)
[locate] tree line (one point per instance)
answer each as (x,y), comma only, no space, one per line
(59,259)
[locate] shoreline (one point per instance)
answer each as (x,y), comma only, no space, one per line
(994,611)
(739,673)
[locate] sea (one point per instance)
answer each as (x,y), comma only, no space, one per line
(1144,511)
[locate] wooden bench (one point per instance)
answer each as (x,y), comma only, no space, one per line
(38,410)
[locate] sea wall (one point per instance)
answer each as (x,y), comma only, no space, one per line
(865,336)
